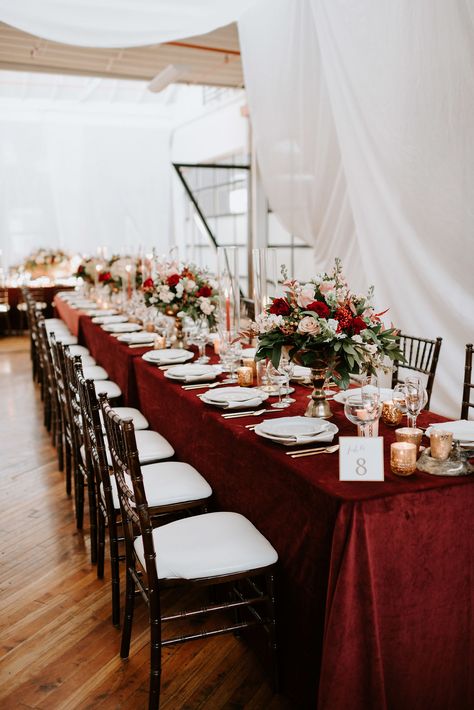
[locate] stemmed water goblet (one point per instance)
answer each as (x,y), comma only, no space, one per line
(415,398)
(201,335)
(287,367)
(278,377)
(364,410)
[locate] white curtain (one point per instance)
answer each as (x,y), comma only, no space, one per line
(119,23)
(81,181)
(377,118)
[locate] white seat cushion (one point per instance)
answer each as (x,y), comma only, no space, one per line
(139,421)
(151,447)
(65,338)
(167,483)
(78,350)
(54,321)
(111,389)
(86,360)
(94,372)
(208,545)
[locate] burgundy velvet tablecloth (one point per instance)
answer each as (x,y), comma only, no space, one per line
(375,581)
(116,357)
(68,314)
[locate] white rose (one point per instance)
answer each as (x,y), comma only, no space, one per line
(309,326)
(165,295)
(179,288)
(306,296)
(206,306)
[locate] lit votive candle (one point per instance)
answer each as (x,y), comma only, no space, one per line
(250,362)
(440,444)
(409,435)
(245,376)
(159,342)
(391,414)
(149,327)
(403,458)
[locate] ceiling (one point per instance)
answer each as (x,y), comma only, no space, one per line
(213,58)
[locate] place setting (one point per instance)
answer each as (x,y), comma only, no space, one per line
(297,430)
(168,356)
(193,373)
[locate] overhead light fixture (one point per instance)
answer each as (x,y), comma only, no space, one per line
(169,75)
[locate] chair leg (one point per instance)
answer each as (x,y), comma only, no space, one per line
(270,580)
(79,496)
(100,543)
(115,574)
(67,456)
(92,518)
(59,443)
(155,661)
(128,616)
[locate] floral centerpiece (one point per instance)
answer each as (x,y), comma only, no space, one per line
(87,270)
(53,263)
(114,272)
(322,325)
(186,289)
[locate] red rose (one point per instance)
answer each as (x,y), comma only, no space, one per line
(105,276)
(344,318)
(204,291)
(358,324)
(280,307)
(148,283)
(320,308)
(172,280)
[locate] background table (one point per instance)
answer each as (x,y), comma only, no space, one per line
(18,318)
(375,582)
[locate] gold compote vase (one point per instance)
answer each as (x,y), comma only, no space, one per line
(180,341)
(321,368)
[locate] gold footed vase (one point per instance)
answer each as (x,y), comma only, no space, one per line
(318,406)
(180,340)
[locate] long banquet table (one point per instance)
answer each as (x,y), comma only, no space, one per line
(375,582)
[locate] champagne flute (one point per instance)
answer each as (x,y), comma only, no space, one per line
(415,398)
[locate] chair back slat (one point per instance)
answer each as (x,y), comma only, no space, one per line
(421,355)
(468,386)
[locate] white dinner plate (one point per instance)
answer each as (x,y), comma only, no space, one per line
(168,357)
(462,430)
(385,394)
(138,338)
(234,394)
(101,313)
(301,373)
(324,437)
(286,427)
(105,320)
(192,373)
(121,327)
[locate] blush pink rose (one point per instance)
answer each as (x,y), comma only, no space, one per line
(309,326)
(326,286)
(306,296)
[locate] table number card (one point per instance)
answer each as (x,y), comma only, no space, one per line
(361,458)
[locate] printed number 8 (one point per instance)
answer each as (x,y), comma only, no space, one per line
(361,469)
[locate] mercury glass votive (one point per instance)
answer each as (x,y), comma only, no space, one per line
(409,435)
(159,343)
(440,444)
(250,362)
(245,376)
(391,414)
(403,458)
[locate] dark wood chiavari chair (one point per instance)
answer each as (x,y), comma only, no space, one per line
(57,356)
(203,550)
(50,402)
(421,355)
(186,489)
(83,466)
(468,385)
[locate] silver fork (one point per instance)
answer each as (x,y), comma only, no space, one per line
(208,385)
(251,413)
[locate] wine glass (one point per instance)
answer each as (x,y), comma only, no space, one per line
(287,366)
(201,336)
(415,398)
(363,409)
(230,354)
(278,377)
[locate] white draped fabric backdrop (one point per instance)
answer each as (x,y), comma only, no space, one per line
(362,117)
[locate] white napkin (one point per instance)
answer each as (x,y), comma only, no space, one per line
(247,404)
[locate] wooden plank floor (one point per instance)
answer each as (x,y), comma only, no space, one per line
(58,648)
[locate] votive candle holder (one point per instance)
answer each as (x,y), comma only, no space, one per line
(403,456)
(440,444)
